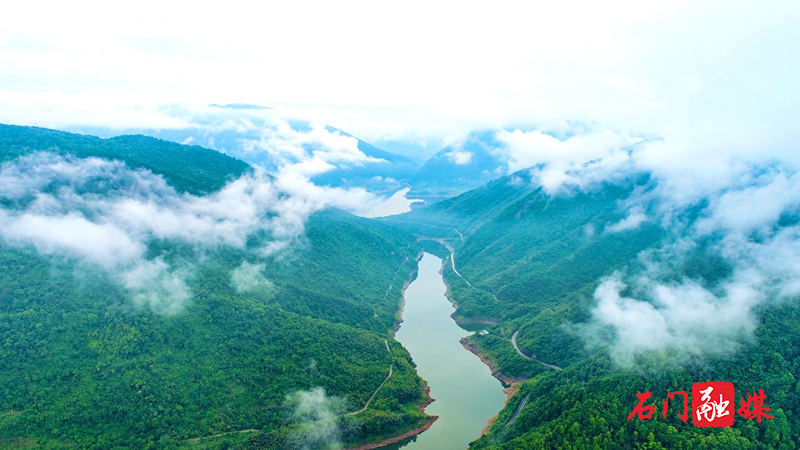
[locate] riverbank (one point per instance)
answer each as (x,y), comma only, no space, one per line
(467,393)
(506,380)
(512,383)
(428,400)
(510,392)
(460,321)
(407,434)
(399,319)
(399,438)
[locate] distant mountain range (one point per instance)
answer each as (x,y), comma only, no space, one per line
(459,167)
(389,174)
(237,129)
(397,170)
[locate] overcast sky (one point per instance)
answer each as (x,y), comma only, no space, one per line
(705,75)
(713,88)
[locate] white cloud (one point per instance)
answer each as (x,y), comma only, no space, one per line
(72,233)
(309,152)
(681,316)
(526,149)
(249,277)
(100,212)
(741,225)
(758,204)
(580,162)
(316,414)
(635,217)
(459,157)
(156,285)
(716,76)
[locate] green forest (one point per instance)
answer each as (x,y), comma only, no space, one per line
(291,361)
(533,262)
(82,366)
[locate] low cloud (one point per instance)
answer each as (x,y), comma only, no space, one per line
(316,414)
(655,306)
(102,213)
(759,202)
(72,233)
(248,277)
(265,138)
(313,151)
(459,157)
(156,285)
(293,152)
(682,316)
(577,161)
(635,217)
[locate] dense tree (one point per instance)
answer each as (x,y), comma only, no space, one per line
(530,262)
(83,365)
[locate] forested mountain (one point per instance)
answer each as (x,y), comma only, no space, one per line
(195,336)
(158,295)
(191,169)
(459,167)
(556,273)
(388,171)
(465,212)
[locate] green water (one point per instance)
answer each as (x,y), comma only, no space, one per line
(466,393)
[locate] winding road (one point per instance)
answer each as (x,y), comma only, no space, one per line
(379,387)
(452,251)
(533,356)
(373,395)
(453,260)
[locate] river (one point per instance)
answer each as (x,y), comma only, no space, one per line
(397,203)
(466,393)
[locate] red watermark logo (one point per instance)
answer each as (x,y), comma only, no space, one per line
(713,405)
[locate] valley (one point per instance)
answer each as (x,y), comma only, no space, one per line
(400,226)
(196,301)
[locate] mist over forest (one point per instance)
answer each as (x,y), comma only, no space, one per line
(209,219)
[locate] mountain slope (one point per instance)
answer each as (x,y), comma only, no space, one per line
(389,173)
(466,212)
(190,169)
(459,167)
(88,361)
(239,131)
(529,268)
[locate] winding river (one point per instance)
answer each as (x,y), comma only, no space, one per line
(466,393)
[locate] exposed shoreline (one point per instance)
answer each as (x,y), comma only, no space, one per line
(407,434)
(510,391)
(399,320)
(460,320)
(512,383)
(507,381)
(421,407)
